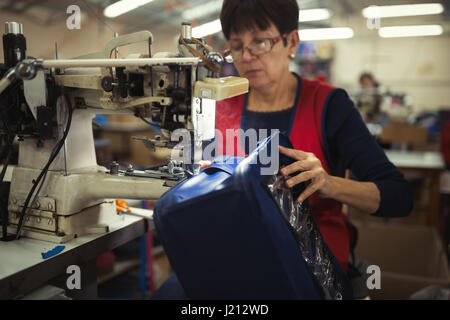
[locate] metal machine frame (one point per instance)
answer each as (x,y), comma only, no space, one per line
(74,195)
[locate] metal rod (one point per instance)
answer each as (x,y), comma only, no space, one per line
(87,63)
(7,79)
(116,50)
(4,83)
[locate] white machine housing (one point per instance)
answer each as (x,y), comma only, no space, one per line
(77,196)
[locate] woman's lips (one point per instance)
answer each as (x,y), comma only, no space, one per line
(252,72)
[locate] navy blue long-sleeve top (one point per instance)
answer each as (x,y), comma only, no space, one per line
(349,145)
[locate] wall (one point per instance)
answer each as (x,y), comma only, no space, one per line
(92,36)
(417,66)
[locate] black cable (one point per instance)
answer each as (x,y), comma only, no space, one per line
(8,150)
(148,122)
(4,155)
(44,171)
(40,185)
(10,135)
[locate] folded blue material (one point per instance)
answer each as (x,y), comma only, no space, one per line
(226,236)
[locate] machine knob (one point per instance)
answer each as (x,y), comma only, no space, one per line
(107,84)
(114,168)
(13,27)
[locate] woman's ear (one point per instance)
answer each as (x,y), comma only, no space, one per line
(293,40)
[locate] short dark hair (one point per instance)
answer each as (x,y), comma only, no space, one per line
(239,15)
(369,76)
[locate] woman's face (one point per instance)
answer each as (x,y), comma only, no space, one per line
(367,83)
(265,69)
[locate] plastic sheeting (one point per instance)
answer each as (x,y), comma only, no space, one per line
(304,228)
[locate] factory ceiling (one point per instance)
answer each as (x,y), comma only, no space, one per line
(163,17)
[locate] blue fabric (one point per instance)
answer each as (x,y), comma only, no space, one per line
(226,238)
(171,289)
(265,120)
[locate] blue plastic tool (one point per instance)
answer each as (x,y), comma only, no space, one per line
(53,252)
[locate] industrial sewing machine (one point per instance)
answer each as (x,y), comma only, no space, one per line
(57,189)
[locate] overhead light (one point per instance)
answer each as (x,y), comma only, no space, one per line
(123,6)
(325,34)
(314,15)
(374,12)
(203,10)
(410,31)
(207,29)
(308,15)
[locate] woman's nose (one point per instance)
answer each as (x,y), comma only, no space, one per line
(246,55)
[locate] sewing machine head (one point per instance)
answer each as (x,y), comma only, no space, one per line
(168,88)
(50,104)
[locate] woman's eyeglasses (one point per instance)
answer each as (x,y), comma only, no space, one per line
(256,47)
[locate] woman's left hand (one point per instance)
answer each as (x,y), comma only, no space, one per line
(311,169)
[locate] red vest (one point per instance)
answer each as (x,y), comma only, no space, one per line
(305,135)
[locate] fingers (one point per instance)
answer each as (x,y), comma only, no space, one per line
(302,177)
(292,153)
(312,171)
(302,165)
(313,187)
(317,182)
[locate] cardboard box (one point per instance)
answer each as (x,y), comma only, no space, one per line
(410,257)
(404,133)
(124,118)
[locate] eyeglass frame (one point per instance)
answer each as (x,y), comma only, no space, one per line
(273,42)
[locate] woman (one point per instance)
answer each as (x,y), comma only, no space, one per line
(369,100)
(325,128)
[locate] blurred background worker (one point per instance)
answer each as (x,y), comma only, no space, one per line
(370,98)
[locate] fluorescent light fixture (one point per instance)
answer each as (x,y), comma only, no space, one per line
(326,34)
(203,10)
(410,31)
(207,29)
(308,15)
(314,15)
(123,6)
(374,12)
